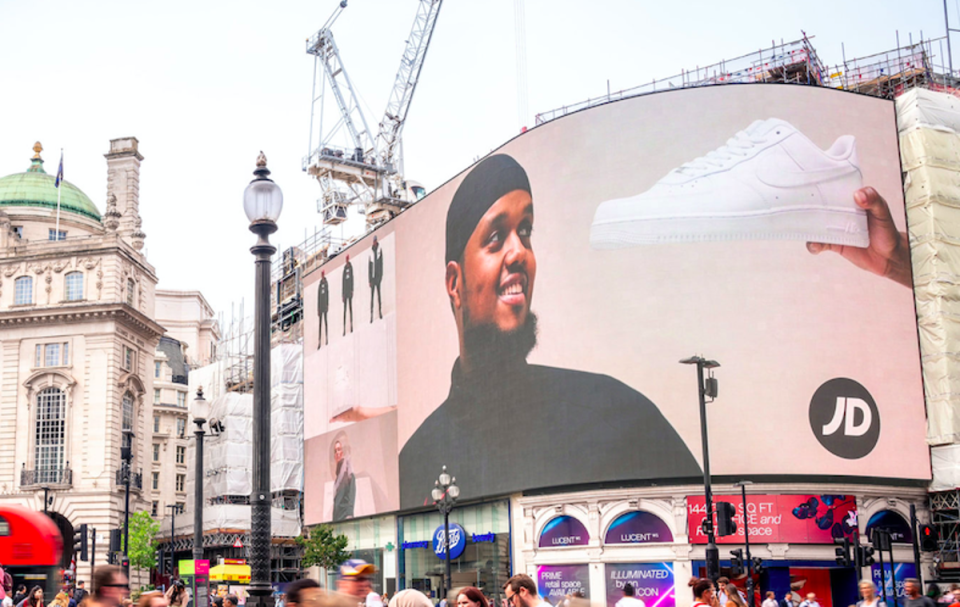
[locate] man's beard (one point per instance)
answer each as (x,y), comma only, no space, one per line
(490,347)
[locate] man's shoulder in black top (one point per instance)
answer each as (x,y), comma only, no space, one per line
(541,427)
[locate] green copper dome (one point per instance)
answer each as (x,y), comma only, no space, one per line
(36,188)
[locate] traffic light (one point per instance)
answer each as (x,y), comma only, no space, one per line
(114,540)
(758,566)
(125,562)
(866,555)
(725,513)
(80,543)
(736,562)
(843,553)
(929,538)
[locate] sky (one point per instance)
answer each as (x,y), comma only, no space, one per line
(205,86)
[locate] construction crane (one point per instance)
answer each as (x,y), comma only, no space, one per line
(353,165)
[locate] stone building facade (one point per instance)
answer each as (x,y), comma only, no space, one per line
(78,338)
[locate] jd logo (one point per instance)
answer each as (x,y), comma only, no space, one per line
(844,418)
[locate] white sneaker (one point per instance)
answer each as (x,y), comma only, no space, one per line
(768,182)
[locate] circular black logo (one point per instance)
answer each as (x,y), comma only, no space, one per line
(844,418)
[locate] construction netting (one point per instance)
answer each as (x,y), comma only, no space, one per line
(929,123)
(228,448)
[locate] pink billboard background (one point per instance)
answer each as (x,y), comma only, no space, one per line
(794,519)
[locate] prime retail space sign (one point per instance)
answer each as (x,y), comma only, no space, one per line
(798,519)
(557,581)
(652,583)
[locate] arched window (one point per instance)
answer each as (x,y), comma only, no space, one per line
(127,418)
(73,283)
(131,291)
(23,290)
(50,435)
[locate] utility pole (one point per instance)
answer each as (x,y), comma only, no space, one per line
(712,553)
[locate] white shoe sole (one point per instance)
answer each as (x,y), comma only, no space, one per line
(806,224)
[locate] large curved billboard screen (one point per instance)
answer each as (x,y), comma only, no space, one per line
(523,324)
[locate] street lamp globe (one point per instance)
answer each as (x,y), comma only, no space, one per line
(437,494)
(201,408)
(453,491)
(444,477)
(262,200)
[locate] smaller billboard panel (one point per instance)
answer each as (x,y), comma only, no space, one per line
(564,530)
(901,571)
(652,583)
(797,519)
(637,527)
(556,581)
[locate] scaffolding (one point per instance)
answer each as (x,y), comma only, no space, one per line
(884,74)
(945,517)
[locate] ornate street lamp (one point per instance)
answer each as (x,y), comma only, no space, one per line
(126,456)
(262,202)
(445,493)
(200,410)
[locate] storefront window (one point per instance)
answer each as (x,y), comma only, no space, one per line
(484,562)
(373,540)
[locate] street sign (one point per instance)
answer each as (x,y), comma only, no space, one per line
(237,543)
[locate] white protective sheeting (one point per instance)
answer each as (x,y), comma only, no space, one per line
(946,468)
(228,457)
(929,125)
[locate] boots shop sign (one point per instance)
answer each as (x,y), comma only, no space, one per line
(797,519)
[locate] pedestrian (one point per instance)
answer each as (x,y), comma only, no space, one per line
(301,592)
(911,586)
(722,582)
(6,583)
(410,598)
(71,601)
(354,579)
(868,594)
(703,595)
(80,592)
(153,598)
(34,598)
(20,594)
(787,600)
(471,597)
(629,599)
(61,600)
(110,586)
(771,600)
(521,591)
(811,601)
(231,600)
(733,597)
(176,594)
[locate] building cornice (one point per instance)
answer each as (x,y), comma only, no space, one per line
(118,312)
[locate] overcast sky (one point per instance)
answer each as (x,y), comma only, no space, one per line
(206,85)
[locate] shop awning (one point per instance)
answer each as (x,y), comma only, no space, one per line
(230,573)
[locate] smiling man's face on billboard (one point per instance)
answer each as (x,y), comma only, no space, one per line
(499,267)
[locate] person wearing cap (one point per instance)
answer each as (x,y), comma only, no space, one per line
(498,429)
(354,579)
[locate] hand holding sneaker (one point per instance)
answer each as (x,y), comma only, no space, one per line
(888,254)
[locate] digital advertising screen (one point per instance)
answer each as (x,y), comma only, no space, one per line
(524,323)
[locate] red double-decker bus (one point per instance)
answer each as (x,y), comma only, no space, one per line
(30,549)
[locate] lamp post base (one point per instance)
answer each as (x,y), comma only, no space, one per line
(260,601)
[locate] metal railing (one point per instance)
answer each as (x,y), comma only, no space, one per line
(46,476)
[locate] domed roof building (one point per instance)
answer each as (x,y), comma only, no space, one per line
(79,337)
(35,188)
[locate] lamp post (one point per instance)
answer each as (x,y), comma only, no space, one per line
(262,201)
(199,418)
(173,519)
(707,389)
(126,454)
(751,600)
(445,493)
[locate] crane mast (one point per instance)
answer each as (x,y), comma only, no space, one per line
(367,171)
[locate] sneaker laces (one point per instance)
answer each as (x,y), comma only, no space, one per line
(736,147)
